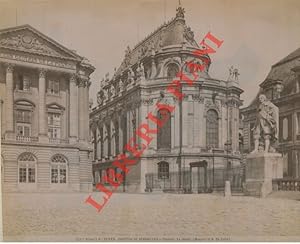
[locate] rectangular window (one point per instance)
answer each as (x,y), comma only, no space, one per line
(53,87)
(54,125)
(22,175)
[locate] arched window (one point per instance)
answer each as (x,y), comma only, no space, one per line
(212,128)
(27,168)
(163,170)
(172,70)
(59,167)
(164,133)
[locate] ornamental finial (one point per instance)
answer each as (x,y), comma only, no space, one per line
(180,11)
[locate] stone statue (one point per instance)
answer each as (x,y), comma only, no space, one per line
(266,126)
(130,76)
(236,74)
(112,90)
(100,97)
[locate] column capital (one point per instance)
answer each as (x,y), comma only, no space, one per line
(73,77)
(9,67)
(42,73)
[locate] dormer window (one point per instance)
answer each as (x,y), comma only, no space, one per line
(53,87)
(23,83)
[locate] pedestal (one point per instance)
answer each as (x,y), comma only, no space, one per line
(261,168)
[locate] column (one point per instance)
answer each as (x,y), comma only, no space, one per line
(42,105)
(73,123)
(82,108)
(9,99)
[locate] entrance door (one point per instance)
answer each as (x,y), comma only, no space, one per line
(198,177)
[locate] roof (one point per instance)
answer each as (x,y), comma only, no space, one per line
(281,72)
(173,32)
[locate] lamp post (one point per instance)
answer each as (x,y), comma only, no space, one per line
(227,148)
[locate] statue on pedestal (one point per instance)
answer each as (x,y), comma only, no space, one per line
(266,125)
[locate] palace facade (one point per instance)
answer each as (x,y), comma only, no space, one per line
(44,91)
(282,87)
(204,127)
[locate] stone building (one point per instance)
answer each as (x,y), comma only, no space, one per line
(198,129)
(45,101)
(282,87)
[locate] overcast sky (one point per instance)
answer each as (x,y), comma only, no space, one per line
(256,33)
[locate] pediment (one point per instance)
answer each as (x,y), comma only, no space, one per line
(27,39)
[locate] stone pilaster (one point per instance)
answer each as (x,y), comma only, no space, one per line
(82,108)
(113,138)
(42,104)
(87,108)
(74,119)
(9,99)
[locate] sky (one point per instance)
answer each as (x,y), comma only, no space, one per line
(256,33)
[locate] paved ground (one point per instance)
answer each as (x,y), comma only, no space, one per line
(150,216)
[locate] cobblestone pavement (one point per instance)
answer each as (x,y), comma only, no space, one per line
(149,216)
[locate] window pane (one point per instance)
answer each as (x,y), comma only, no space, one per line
(63,176)
(22,175)
(54,175)
(26,131)
(20,130)
(31,175)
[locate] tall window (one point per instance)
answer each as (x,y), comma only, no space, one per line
(58,169)
(212,129)
(164,133)
(163,170)
(53,87)
(27,168)
(23,83)
(23,121)
(172,70)
(54,125)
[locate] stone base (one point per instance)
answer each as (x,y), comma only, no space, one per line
(261,168)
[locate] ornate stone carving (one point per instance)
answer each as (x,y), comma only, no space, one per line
(209,104)
(147,101)
(28,43)
(81,82)
(198,98)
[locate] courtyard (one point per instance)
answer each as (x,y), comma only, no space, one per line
(156,216)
